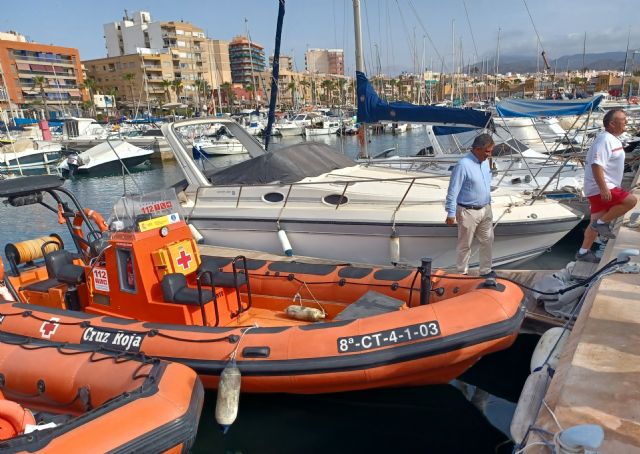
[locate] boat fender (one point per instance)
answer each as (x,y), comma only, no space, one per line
(394,247)
(228,396)
(308,314)
(13,419)
(529,403)
(195,233)
(549,348)
(284,243)
(583,438)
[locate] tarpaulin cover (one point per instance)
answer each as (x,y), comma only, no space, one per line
(372,109)
(546,107)
(286,165)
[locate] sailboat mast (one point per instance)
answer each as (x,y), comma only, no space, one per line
(359,63)
(453,58)
(626,54)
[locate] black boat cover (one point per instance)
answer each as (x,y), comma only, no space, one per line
(28,185)
(286,165)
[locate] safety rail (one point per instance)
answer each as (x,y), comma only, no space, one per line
(208,273)
(241,309)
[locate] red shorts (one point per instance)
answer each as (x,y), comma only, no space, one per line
(598,205)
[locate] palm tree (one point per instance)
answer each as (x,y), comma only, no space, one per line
(393,84)
(90,85)
(305,84)
(177,86)
(39,82)
(292,89)
(226,88)
(202,87)
(327,85)
(166,85)
(129,78)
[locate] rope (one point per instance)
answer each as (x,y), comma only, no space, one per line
(232,356)
(311,294)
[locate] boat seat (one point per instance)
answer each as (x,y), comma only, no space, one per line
(370,304)
(60,266)
(175,290)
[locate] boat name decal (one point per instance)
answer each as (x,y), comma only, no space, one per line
(388,337)
(48,328)
(157,206)
(100,279)
(128,341)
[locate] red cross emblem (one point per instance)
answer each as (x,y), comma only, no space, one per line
(184,259)
(49,328)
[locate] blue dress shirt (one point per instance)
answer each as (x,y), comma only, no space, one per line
(470,184)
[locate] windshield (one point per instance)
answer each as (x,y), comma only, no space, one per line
(131,211)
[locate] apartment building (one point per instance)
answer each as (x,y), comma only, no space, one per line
(246,59)
(164,52)
(38,76)
(324,61)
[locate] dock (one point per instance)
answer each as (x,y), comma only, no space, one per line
(597,380)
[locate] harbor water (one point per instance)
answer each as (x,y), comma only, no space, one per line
(427,419)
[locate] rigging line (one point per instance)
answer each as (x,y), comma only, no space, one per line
(424,30)
(335,25)
(405,26)
(534,25)
(371,56)
(473,39)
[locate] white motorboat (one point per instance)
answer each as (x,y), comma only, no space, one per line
(327,206)
(288,129)
(28,154)
(211,146)
(106,157)
(322,128)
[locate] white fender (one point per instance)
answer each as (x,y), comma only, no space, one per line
(550,346)
(284,242)
(529,403)
(394,248)
(228,398)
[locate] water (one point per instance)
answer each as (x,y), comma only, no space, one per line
(425,419)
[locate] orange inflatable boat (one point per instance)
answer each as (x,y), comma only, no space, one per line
(140,285)
(68,399)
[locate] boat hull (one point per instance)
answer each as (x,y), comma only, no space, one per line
(105,167)
(290,368)
(103,402)
(359,242)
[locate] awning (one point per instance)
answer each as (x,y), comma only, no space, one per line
(546,107)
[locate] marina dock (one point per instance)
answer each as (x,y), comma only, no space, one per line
(598,378)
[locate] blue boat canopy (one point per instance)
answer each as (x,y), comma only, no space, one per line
(546,107)
(372,109)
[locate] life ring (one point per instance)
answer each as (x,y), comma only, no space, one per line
(96,217)
(633,100)
(13,418)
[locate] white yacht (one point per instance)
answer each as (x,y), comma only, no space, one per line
(28,154)
(325,205)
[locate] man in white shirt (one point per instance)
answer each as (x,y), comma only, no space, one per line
(602,179)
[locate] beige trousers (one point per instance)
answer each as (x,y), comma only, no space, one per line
(476,224)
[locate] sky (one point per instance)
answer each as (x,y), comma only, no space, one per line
(398,35)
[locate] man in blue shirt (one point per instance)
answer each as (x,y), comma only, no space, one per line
(469,203)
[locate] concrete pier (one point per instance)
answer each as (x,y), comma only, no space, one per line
(598,378)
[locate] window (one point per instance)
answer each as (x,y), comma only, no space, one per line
(335,199)
(273,197)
